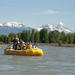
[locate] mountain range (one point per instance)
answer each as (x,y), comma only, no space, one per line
(15,27)
(60,27)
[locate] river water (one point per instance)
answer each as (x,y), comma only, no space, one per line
(56,61)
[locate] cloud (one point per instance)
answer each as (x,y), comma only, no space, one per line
(48,12)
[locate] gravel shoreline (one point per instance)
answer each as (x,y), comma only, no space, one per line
(55,44)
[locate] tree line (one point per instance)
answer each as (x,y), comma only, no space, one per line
(42,36)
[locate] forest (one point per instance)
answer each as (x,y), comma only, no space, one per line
(42,36)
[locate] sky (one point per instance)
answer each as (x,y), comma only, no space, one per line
(38,12)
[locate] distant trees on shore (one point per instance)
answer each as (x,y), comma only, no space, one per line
(42,36)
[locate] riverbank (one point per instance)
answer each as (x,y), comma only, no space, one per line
(48,44)
(55,44)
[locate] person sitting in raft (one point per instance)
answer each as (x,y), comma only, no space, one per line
(33,46)
(22,45)
(15,41)
(29,46)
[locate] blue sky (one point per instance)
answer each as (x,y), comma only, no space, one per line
(38,12)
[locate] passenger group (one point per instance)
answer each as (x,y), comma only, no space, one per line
(21,45)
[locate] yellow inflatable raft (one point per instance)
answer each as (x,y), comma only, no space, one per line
(26,52)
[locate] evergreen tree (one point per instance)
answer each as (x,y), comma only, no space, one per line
(54,36)
(74,38)
(44,35)
(19,35)
(50,36)
(3,38)
(25,35)
(11,36)
(62,37)
(36,37)
(8,40)
(32,35)
(70,38)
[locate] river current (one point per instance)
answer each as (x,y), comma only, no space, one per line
(56,61)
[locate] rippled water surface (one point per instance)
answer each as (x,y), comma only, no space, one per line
(56,61)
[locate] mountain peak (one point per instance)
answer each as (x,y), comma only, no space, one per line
(60,27)
(50,27)
(61,23)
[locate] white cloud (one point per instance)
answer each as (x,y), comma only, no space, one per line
(47,12)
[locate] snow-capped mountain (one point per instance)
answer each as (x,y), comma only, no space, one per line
(12,24)
(60,27)
(15,27)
